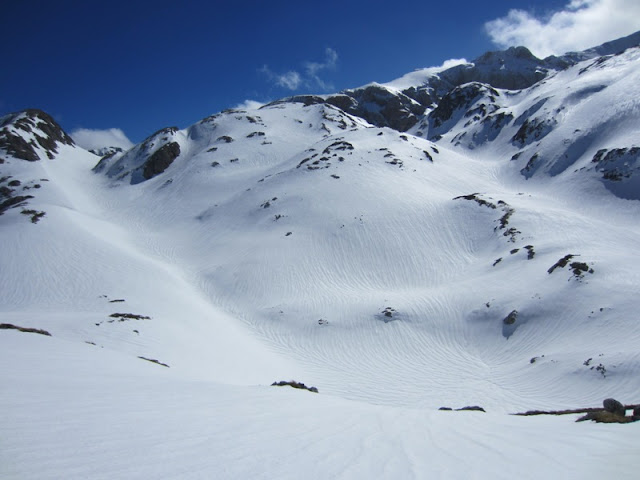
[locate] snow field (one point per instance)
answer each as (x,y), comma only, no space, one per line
(105,415)
(259,268)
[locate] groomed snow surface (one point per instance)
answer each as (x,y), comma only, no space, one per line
(371,274)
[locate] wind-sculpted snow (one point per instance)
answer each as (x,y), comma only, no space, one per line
(108,417)
(309,231)
(299,243)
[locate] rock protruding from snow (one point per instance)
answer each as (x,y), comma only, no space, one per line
(160,160)
(385,107)
(31,135)
(106,151)
(379,105)
(458,103)
(146,160)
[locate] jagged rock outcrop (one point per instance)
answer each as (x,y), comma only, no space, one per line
(31,135)
(160,160)
(144,161)
(384,107)
(617,164)
(106,151)
(379,105)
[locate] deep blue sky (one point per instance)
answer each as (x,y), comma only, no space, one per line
(141,66)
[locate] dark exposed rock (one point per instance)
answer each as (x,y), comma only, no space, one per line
(121,317)
(106,151)
(476,198)
(306,100)
(34,214)
(160,160)
(473,408)
(613,412)
(104,161)
(9,326)
(153,360)
(511,318)
(460,100)
(617,164)
(11,202)
(579,268)
(385,108)
(388,313)
(5,192)
(377,104)
(532,130)
(607,417)
(343,102)
(163,134)
(294,384)
(614,406)
(561,263)
(46,132)
(508,211)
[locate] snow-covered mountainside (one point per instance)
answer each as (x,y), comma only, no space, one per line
(461,236)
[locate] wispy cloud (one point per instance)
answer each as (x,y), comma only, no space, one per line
(579,25)
(308,77)
(313,69)
(248,105)
(290,80)
(95,139)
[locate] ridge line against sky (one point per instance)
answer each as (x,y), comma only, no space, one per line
(126,69)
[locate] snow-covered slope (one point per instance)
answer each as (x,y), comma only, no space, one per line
(580,120)
(483,255)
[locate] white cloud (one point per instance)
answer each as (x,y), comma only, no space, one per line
(95,139)
(289,80)
(314,68)
(452,62)
(248,105)
(420,76)
(579,25)
(310,78)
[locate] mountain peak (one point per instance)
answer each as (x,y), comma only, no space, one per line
(31,135)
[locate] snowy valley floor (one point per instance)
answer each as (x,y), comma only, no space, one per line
(85,412)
